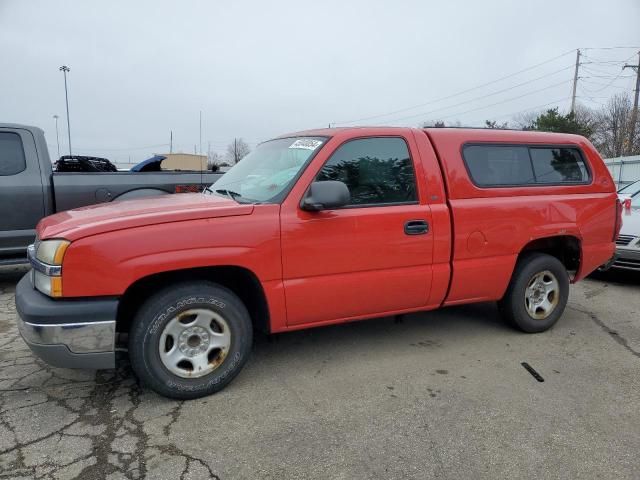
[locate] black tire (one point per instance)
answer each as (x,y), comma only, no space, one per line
(154,315)
(513,306)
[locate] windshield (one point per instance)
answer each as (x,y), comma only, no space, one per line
(267,173)
(631,189)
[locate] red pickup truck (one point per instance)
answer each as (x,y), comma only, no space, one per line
(317,228)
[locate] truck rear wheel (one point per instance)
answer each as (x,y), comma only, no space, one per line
(190,340)
(537,294)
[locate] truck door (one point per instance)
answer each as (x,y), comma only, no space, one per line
(370,257)
(21,194)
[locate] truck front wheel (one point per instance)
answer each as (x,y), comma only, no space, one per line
(190,340)
(537,294)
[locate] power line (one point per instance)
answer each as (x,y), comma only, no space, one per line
(532,108)
(479,108)
(588,82)
(371,117)
(455,94)
(595,71)
(507,100)
(609,76)
(602,62)
(497,92)
(610,48)
(615,78)
(591,99)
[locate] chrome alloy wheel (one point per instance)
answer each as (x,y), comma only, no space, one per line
(194,343)
(542,295)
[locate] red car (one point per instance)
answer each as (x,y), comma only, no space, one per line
(318,228)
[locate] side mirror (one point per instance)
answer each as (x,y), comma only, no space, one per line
(326,195)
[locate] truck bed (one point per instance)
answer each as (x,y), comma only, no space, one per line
(72,190)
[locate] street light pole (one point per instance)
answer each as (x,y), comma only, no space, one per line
(64,69)
(57,136)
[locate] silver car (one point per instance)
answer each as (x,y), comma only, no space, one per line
(628,242)
(630,191)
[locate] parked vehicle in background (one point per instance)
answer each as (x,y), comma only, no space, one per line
(81,163)
(174,161)
(630,190)
(153,164)
(318,228)
(30,189)
(627,255)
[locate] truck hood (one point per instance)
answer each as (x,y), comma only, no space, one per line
(117,215)
(631,222)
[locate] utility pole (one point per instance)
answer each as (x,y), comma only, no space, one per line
(170,141)
(64,69)
(200,150)
(57,136)
(634,112)
(575,82)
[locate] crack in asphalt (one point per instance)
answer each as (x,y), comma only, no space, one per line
(57,423)
(174,414)
(612,333)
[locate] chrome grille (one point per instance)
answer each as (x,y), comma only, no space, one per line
(624,239)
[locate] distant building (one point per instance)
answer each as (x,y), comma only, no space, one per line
(184,161)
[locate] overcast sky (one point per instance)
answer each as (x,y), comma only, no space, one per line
(258,69)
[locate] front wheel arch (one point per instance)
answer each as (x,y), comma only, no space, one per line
(241,281)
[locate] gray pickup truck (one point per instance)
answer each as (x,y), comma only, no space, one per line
(30,189)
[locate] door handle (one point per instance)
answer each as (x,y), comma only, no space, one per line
(416,227)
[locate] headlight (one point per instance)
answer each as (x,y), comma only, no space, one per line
(46,258)
(52,252)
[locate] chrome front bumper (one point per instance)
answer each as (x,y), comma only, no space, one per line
(627,259)
(74,333)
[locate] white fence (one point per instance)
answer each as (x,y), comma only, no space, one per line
(624,170)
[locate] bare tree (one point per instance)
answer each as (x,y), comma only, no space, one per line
(440,124)
(587,117)
(493,124)
(214,159)
(613,128)
(433,123)
(523,121)
(237,150)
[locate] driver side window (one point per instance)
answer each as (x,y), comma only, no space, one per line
(378,171)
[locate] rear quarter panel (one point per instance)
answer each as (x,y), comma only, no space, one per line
(492,225)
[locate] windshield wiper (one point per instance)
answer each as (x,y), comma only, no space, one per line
(233,195)
(229,193)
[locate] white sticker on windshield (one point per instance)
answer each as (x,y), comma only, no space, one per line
(306,144)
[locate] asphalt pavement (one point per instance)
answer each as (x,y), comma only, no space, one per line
(437,395)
